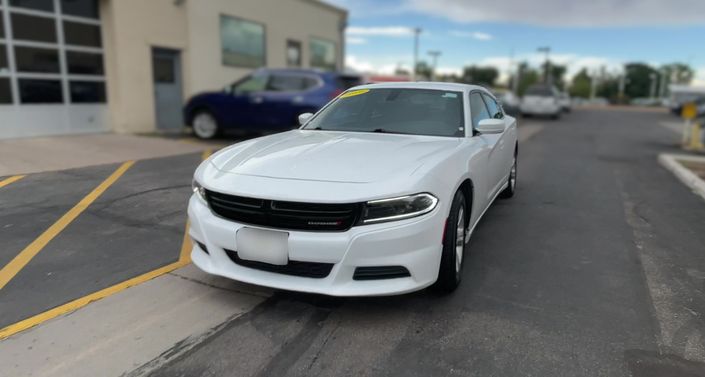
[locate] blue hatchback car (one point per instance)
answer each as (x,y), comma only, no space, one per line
(268,100)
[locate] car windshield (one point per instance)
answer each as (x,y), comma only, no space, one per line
(394,110)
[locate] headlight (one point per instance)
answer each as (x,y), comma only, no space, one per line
(198,190)
(400,208)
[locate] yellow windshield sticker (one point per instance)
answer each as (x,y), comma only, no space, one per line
(354,93)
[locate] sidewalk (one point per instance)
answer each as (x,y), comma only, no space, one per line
(32,155)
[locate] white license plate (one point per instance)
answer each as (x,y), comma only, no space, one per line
(261,245)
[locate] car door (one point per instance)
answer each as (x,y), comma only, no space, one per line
(243,107)
(478,112)
(505,145)
(285,98)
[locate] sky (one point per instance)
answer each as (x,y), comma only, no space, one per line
(581,34)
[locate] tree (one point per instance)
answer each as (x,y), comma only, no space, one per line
(678,73)
(424,70)
(639,79)
(557,73)
(581,84)
(527,77)
(479,75)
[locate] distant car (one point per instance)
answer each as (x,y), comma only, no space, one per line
(510,102)
(565,101)
(541,100)
(268,100)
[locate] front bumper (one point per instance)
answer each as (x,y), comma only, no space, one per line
(414,244)
(541,109)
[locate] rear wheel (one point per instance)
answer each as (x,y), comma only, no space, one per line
(511,181)
(205,126)
(450,272)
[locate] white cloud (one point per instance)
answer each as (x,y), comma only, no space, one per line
(386,31)
(355,40)
(478,35)
(566,13)
(377,65)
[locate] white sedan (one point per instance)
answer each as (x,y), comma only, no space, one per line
(376,194)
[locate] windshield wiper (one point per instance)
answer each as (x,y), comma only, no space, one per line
(383,131)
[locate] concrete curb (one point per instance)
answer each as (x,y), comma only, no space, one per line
(669,161)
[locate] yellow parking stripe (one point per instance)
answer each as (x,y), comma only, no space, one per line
(184,259)
(85,300)
(9,180)
(26,255)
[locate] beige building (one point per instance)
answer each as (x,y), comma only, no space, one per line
(74,66)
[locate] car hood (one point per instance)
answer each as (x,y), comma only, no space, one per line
(350,157)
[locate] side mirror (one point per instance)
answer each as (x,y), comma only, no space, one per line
(303,118)
(490,126)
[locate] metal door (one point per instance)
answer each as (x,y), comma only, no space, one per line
(168,98)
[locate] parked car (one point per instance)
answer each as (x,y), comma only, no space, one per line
(378,193)
(565,102)
(541,100)
(268,100)
(510,102)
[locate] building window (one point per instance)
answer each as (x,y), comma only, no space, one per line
(44,5)
(33,28)
(80,8)
(84,63)
(87,91)
(293,53)
(37,60)
(40,91)
(81,34)
(323,54)
(5,91)
(242,42)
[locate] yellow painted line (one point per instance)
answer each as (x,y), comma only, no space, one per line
(85,300)
(184,259)
(9,180)
(29,252)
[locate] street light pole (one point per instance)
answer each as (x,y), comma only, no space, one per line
(417,31)
(547,76)
(434,55)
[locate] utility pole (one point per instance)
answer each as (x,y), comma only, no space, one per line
(652,91)
(622,84)
(662,83)
(593,85)
(417,32)
(547,78)
(434,55)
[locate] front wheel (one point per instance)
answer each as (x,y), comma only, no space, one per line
(450,272)
(511,181)
(205,126)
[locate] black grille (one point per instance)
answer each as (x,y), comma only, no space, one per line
(294,268)
(380,272)
(284,215)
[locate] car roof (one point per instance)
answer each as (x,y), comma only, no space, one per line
(423,85)
(314,71)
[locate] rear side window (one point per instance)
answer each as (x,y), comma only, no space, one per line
(291,83)
(494,110)
(346,82)
(478,109)
(539,90)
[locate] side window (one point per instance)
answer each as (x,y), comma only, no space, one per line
(285,83)
(495,110)
(478,109)
(254,83)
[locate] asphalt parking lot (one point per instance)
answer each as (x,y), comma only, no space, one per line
(595,268)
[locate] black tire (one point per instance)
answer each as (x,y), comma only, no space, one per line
(511,180)
(199,130)
(555,116)
(450,271)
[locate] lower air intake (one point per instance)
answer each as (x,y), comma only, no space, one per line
(380,272)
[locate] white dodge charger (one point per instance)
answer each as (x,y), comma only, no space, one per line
(376,194)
